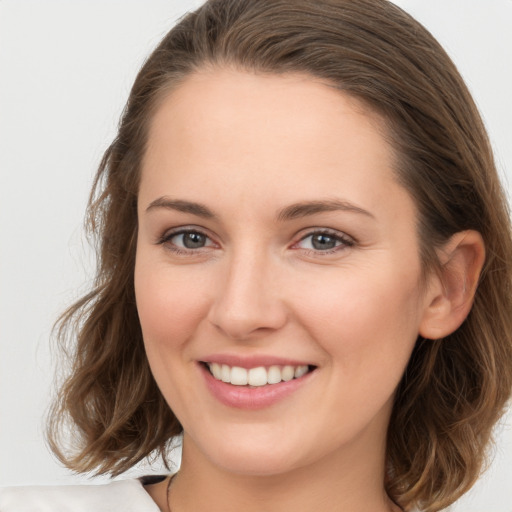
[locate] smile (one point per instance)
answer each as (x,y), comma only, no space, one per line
(256,377)
(243,385)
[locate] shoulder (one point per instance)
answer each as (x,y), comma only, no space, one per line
(121,495)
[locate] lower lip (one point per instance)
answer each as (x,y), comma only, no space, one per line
(243,397)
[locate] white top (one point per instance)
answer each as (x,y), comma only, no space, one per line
(118,496)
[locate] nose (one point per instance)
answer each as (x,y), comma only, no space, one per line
(249,299)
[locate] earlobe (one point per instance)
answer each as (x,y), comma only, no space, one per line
(451,291)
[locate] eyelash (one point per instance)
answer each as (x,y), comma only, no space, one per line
(166,238)
(341,239)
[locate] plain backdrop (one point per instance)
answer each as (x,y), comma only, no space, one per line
(66,68)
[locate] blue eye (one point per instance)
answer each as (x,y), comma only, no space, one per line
(186,240)
(190,240)
(324,241)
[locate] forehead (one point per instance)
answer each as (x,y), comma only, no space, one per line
(222,97)
(251,131)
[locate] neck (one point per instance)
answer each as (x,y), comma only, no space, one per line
(340,481)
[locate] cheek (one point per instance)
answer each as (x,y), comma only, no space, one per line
(169,312)
(170,305)
(365,318)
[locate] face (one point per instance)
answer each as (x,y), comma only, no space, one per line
(277,251)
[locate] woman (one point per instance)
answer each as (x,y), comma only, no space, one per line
(304,269)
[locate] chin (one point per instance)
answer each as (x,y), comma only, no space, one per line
(252,454)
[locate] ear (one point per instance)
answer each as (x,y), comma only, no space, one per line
(451,291)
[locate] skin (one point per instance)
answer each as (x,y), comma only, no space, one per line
(247,147)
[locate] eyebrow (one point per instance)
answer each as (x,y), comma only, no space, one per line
(303,209)
(181,206)
(293,211)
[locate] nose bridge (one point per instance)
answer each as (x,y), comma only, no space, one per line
(248,299)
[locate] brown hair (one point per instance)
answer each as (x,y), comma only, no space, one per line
(454,389)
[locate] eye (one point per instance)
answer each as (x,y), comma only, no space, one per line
(185,240)
(324,241)
(190,240)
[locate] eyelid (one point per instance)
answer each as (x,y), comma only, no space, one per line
(166,237)
(169,233)
(346,240)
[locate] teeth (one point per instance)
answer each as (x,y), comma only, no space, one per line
(259,376)
(300,371)
(225,374)
(238,376)
(288,373)
(216,369)
(274,375)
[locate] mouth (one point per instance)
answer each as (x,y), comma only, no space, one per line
(258,376)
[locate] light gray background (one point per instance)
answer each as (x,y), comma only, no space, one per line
(66,68)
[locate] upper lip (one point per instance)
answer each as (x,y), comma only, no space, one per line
(252,361)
